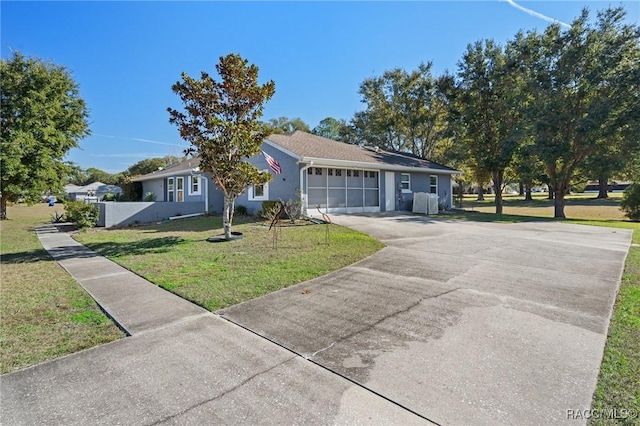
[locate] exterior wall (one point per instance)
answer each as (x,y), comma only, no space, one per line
(420,182)
(154,186)
(123,213)
(283,186)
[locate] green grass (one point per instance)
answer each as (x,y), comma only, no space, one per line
(618,385)
(45,313)
(177,257)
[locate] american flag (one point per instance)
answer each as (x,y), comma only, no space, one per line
(273,164)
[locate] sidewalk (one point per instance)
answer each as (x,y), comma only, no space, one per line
(181,365)
(134,303)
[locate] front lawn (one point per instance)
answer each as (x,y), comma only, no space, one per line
(45,312)
(177,257)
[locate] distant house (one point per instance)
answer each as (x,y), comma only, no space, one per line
(94,191)
(337,177)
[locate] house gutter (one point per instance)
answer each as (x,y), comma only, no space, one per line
(303,194)
(325,162)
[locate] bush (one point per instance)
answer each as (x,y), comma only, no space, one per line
(241,211)
(149,196)
(293,209)
(84,215)
(270,209)
(110,197)
(630,203)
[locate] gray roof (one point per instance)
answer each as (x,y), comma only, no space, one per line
(308,147)
(183,168)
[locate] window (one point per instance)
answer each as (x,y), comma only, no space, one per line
(170,189)
(433,184)
(194,188)
(259,192)
(330,172)
(338,172)
(318,171)
(348,173)
(180,189)
(356,173)
(405,182)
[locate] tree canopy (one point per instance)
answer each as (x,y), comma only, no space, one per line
(220,120)
(42,118)
(405,111)
(585,97)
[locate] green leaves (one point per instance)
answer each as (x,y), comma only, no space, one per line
(42,118)
(220,120)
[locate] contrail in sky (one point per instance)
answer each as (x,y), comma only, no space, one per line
(537,14)
(139,140)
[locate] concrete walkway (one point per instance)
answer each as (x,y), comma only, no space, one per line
(181,365)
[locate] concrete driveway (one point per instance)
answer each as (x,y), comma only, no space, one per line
(461,322)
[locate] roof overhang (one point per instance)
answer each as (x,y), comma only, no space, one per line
(327,162)
(168,173)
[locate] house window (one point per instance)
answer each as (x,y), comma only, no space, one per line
(338,172)
(356,173)
(405,182)
(180,189)
(348,173)
(170,189)
(318,171)
(259,192)
(433,184)
(194,188)
(330,172)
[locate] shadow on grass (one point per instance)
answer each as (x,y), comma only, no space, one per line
(194,224)
(492,217)
(39,255)
(146,246)
(113,249)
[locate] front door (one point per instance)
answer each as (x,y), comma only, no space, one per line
(389,191)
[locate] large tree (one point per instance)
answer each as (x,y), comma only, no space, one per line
(42,118)
(488,104)
(220,120)
(332,128)
(285,125)
(585,94)
(405,111)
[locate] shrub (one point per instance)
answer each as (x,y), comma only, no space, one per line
(57,217)
(241,210)
(85,215)
(110,197)
(149,196)
(270,209)
(630,203)
(293,209)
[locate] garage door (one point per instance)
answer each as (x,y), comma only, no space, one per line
(343,190)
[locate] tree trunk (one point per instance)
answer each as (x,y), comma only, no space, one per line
(227,215)
(558,204)
(527,193)
(497,189)
(550,196)
(3,208)
(521,188)
(480,193)
(602,186)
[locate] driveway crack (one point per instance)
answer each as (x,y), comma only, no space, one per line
(228,391)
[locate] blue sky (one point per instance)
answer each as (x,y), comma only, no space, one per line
(126,55)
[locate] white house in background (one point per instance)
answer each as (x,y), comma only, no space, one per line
(95,190)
